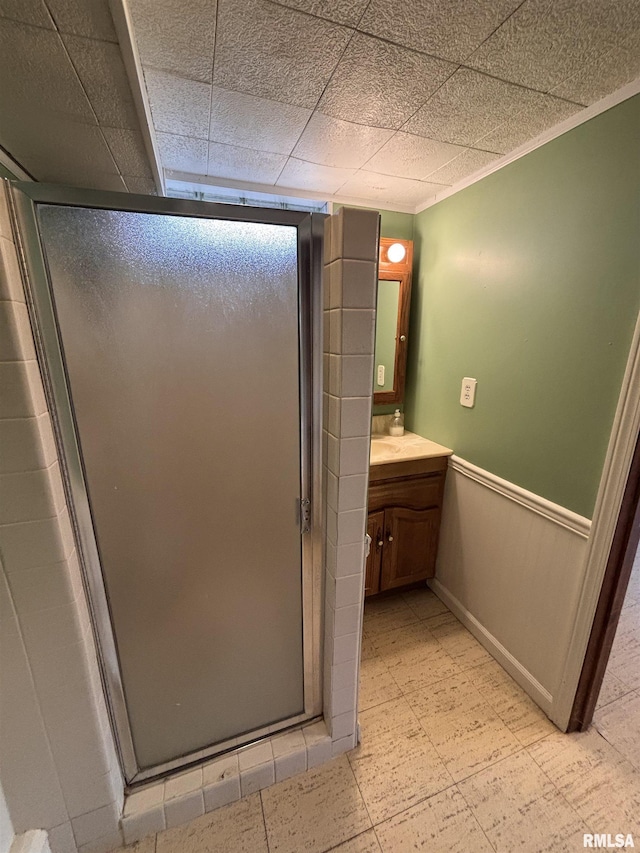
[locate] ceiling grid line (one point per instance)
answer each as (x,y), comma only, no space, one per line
(213,71)
(346,47)
(100,130)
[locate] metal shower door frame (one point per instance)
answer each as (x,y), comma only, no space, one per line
(24,199)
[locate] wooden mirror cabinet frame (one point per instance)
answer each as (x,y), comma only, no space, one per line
(388,271)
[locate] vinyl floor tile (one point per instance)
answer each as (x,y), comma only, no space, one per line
(442,824)
(424,603)
(315,811)
(520,713)
(612,688)
(548,825)
(387,614)
(459,643)
(367,842)
(602,787)
(520,809)
(236,828)
(376,684)
(367,649)
(624,661)
(465,730)
(396,765)
(619,724)
(414,657)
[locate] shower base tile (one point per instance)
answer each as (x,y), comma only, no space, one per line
(221,793)
(182,809)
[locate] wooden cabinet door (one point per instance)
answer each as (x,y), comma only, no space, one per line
(410,545)
(375,528)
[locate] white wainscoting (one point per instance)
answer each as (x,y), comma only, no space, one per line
(510,567)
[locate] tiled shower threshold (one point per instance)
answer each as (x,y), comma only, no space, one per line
(182,797)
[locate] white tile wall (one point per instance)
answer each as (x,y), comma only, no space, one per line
(351,240)
(58,764)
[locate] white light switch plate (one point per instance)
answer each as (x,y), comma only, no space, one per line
(468,393)
(381,374)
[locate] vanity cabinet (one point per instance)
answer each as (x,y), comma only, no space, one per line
(405,501)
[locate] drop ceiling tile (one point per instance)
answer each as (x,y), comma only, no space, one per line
(178,105)
(252,122)
(300,175)
(128,151)
(173,40)
(409,156)
(99,181)
(141,186)
(69,152)
(381,84)
(450,30)
(333,142)
(387,190)
(243,164)
(89,18)
(101,70)
(183,153)
(346,12)
(538,113)
(544,42)
(610,71)
(27,12)
(464,164)
(467,107)
(275,52)
(37,77)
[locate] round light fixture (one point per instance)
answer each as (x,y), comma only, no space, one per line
(396,253)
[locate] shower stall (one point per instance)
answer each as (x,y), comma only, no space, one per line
(179,344)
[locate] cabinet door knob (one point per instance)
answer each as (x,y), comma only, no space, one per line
(389,537)
(380,539)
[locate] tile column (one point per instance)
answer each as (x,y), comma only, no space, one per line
(350,287)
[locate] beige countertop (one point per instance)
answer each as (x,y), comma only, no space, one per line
(392,448)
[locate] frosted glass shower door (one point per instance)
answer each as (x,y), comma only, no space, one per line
(180,342)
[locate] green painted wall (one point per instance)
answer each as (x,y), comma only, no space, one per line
(529,281)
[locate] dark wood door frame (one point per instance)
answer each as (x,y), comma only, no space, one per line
(614,588)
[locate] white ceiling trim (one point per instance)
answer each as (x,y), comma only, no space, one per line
(568,124)
(121,15)
(272,189)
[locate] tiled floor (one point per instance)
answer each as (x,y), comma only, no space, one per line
(617,716)
(454,757)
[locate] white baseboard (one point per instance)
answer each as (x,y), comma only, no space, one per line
(515,669)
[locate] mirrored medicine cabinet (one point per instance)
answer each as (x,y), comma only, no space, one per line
(395,263)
